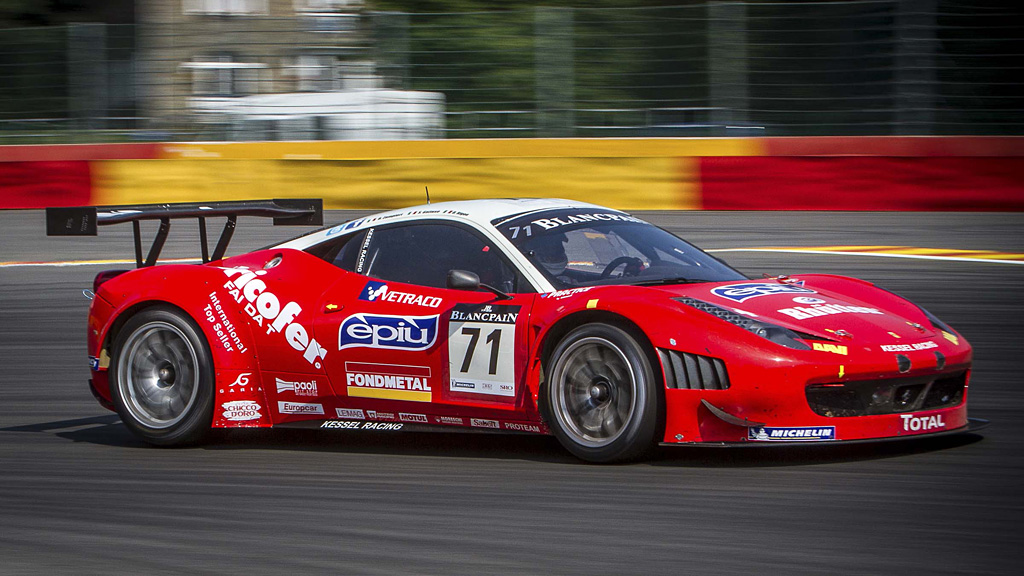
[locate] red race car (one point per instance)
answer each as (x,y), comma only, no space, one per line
(515,315)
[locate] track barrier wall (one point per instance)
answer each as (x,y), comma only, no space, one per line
(814,173)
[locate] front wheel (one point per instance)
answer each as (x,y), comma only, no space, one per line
(162,377)
(601,397)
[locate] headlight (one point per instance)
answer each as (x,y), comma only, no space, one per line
(778,334)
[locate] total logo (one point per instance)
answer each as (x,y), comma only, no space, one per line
(263,305)
(388,332)
(743,292)
(379,291)
(297,388)
(921,423)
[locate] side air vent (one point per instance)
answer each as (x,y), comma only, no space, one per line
(686,371)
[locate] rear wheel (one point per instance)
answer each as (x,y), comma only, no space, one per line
(601,397)
(162,377)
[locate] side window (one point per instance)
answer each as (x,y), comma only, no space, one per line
(342,252)
(424,253)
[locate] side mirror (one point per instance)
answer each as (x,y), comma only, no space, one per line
(463,280)
(466,280)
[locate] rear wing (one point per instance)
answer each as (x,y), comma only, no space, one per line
(84,220)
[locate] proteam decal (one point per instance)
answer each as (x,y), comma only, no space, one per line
(746,291)
(263,306)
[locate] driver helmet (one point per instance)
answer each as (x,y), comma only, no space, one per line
(549,252)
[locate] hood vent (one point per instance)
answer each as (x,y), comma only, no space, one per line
(686,371)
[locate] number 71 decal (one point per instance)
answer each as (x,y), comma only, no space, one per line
(481,349)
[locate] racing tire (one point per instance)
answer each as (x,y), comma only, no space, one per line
(601,398)
(162,377)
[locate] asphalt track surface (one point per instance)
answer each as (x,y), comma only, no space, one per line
(78,494)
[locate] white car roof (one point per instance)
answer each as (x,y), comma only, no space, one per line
(476,212)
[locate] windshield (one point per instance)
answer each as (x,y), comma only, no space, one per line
(589,247)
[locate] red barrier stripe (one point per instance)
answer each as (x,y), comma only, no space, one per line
(862,183)
(42,184)
(69,152)
(923,146)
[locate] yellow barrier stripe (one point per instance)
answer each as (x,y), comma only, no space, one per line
(954,255)
(476,148)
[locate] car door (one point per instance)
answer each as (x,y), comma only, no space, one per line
(406,347)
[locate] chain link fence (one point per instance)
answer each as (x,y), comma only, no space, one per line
(871,67)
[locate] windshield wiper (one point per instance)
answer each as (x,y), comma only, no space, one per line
(663,281)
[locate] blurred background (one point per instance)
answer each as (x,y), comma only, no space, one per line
(93,71)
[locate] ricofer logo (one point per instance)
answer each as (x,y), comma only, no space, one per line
(263,305)
(741,292)
(390,332)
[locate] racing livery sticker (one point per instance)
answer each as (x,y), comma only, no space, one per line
(746,291)
(388,332)
(913,423)
(241,410)
(908,347)
(222,326)
(299,408)
(263,305)
(388,381)
(350,413)
(481,349)
(297,388)
(379,292)
(352,425)
(406,417)
(833,348)
(798,434)
(482,423)
(804,312)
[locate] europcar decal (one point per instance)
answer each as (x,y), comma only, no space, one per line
(743,292)
(388,332)
(263,305)
(799,434)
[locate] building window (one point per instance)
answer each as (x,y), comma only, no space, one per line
(328,5)
(225,7)
(317,73)
(221,75)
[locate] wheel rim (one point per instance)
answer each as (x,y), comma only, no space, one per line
(157,375)
(595,391)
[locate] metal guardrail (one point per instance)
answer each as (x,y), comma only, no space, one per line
(860,67)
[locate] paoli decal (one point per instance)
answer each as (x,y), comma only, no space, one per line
(389,332)
(743,292)
(804,312)
(921,423)
(263,305)
(299,408)
(297,388)
(800,434)
(388,381)
(379,292)
(240,410)
(909,347)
